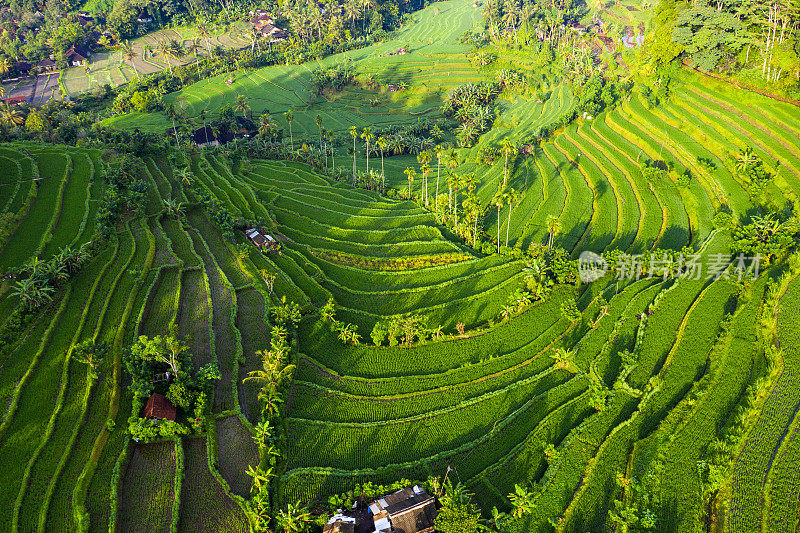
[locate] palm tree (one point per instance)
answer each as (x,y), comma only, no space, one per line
(512,197)
(203,33)
(424,157)
(368,136)
(267,126)
(440,151)
(331,138)
(382,143)
(410,174)
(242,106)
(163,47)
(499,200)
(11,115)
(129,55)
(354,134)
(290,118)
(452,162)
(553,225)
(508,148)
(425,169)
(5,66)
(506,311)
(352,11)
(318,122)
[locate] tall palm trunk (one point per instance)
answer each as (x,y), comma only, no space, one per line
(498,229)
(508,223)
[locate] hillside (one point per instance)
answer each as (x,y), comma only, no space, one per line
(380,339)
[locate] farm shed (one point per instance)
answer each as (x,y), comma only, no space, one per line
(158,406)
(410,510)
(340,523)
(262,241)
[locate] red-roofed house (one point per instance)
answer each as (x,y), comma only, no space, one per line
(158,406)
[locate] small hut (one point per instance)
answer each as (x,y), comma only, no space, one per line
(158,407)
(410,510)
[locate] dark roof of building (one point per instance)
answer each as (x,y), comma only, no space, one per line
(414,518)
(410,510)
(159,407)
(246,123)
(204,135)
(418,500)
(339,527)
(46,63)
(77,52)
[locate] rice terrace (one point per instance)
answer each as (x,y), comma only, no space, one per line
(419,266)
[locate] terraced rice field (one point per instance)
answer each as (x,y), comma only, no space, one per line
(664,370)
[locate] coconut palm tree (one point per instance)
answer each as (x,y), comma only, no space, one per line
(440,152)
(129,54)
(368,136)
(452,162)
(290,118)
(11,115)
(352,11)
(512,197)
(203,33)
(744,159)
(410,174)
(331,136)
(242,106)
(5,66)
(354,134)
(508,148)
(163,47)
(553,226)
(499,200)
(382,144)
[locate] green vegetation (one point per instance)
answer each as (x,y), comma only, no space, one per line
(420,312)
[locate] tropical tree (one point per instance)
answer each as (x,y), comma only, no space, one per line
(129,54)
(508,148)
(242,106)
(382,144)
(368,136)
(553,226)
(32,293)
(452,162)
(522,500)
(410,174)
(290,118)
(354,134)
(512,197)
(11,115)
(293,519)
(499,200)
(173,208)
(440,152)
